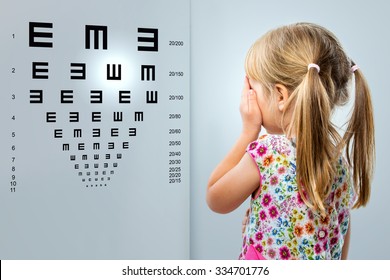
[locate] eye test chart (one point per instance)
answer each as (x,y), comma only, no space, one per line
(94,129)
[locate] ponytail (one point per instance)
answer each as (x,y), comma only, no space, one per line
(316,140)
(359,140)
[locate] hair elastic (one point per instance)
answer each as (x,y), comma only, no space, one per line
(313,65)
(354,68)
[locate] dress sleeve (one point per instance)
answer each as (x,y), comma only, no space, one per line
(257,150)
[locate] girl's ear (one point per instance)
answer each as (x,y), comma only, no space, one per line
(282,95)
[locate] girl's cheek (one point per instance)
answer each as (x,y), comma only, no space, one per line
(259,99)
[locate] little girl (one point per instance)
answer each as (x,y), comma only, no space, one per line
(303,176)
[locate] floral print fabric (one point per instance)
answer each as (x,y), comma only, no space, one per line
(280,224)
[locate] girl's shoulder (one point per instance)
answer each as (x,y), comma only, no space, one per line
(274,139)
(271,143)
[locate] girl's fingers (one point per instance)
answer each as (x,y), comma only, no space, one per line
(248,96)
(249,109)
(246,87)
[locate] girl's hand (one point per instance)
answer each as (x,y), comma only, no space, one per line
(250,110)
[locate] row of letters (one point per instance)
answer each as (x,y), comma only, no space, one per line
(78,71)
(51,117)
(96,96)
(40,39)
(78,132)
(96,146)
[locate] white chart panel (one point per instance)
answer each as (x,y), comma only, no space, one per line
(94,129)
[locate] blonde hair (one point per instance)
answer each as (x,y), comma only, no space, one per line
(282,56)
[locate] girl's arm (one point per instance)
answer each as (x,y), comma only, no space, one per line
(236,176)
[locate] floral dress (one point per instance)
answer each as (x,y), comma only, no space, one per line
(280,224)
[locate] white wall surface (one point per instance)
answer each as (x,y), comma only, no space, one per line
(126,197)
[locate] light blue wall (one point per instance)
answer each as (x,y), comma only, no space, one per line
(221,33)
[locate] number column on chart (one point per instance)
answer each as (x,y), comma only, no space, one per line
(13,134)
(178,116)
